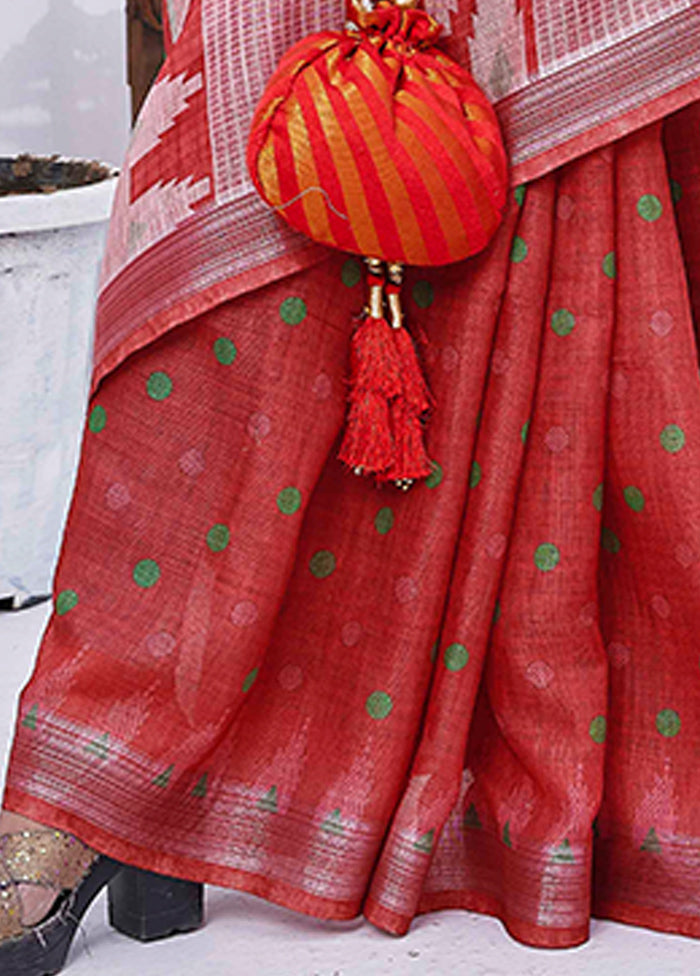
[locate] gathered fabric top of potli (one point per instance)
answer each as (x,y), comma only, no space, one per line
(374,141)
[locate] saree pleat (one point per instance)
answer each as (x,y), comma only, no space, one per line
(266,673)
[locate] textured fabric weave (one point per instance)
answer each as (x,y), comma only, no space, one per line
(265,673)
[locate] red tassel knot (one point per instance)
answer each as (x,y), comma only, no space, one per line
(388,398)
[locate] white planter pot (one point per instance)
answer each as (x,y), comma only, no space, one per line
(50,251)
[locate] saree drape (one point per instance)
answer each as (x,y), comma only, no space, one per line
(188,229)
(265,673)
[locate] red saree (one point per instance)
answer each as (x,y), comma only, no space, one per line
(189,230)
(265,673)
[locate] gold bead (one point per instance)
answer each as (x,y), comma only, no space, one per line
(361,6)
(395,272)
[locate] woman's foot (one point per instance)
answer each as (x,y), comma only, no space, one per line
(48,880)
(36,899)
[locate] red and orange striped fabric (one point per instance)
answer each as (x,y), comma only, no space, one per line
(373,141)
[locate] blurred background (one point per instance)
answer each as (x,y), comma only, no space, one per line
(63,78)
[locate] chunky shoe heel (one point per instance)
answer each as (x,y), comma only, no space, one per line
(56,861)
(149,906)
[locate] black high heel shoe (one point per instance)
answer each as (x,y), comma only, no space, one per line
(142,904)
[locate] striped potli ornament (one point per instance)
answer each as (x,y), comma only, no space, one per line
(374,141)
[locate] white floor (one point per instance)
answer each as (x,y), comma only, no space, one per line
(247,936)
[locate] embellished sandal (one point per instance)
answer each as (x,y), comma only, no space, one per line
(142,904)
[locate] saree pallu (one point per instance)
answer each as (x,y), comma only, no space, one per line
(265,673)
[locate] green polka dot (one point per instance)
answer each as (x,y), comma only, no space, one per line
(225,351)
(250,679)
(519,193)
(98,419)
(456,657)
(598,495)
(668,723)
(384,521)
(159,386)
(435,478)
(676,191)
(672,438)
(547,557)
(475,475)
(423,294)
(218,537)
(634,498)
(518,251)
(497,611)
(609,540)
(146,573)
(351,273)
(289,501)
(610,265)
(379,704)
(524,431)
(322,563)
(293,311)
(563,322)
(66,601)
(649,207)
(598,729)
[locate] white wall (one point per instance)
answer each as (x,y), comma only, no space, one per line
(63,78)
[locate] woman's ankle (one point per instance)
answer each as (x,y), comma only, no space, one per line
(36,900)
(11,823)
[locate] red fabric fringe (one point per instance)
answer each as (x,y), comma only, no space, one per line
(415,387)
(388,397)
(411,460)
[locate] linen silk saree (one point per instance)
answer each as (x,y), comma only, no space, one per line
(265,673)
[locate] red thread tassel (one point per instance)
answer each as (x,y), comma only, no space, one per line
(412,462)
(375,381)
(388,396)
(415,387)
(374,359)
(368,441)
(407,411)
